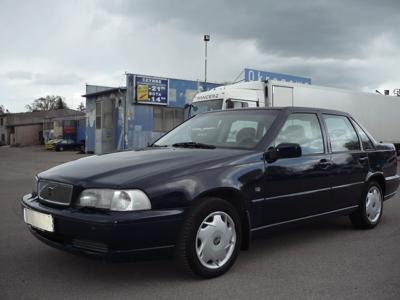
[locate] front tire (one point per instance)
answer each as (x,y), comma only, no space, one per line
(370,210)
(210,238)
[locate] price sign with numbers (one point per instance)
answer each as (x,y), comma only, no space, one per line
(151,90)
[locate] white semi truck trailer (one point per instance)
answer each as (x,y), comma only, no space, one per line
(379,114)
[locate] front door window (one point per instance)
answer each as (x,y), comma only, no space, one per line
(302,129)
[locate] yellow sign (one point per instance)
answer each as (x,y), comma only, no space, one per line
(142,92)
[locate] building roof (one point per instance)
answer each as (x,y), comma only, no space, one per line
(105,92)
(37,117)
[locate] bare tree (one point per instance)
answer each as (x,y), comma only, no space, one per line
(60,103)
(81,107)
(3,110)
(50,102)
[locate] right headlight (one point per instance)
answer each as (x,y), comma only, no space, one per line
(117,200)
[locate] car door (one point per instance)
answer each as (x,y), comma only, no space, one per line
(296,187)
(71,144)
(350,162)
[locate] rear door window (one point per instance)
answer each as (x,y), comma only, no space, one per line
(341,133)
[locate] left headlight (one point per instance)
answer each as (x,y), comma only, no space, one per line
(118,200)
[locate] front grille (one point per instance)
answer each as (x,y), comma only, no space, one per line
(63,240)
(55,192)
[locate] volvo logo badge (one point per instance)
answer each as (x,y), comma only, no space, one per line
(50,190)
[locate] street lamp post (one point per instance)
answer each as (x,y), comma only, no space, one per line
(206,39)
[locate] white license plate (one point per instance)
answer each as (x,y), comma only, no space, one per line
(39,220)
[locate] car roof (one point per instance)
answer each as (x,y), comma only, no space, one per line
(286,108)
(315,109)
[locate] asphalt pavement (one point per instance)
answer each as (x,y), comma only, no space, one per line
(321,260)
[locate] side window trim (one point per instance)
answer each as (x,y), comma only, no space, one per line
(358,136)
(372,141)
(327,142)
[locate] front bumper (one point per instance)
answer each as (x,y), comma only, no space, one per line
(107,234)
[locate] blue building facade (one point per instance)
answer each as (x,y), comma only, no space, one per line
(134,116)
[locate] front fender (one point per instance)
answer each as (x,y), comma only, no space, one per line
(244,181)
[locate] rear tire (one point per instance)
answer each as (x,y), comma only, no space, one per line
(370,210)
(210,239)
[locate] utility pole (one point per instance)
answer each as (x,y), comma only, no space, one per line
(206,40)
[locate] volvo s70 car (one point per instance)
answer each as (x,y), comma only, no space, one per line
(203,188)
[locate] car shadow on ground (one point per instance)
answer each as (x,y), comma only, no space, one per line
(154,268)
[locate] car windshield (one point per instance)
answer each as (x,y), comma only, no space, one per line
(205,106)
(241,129)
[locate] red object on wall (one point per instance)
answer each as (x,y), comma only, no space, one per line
(69,129)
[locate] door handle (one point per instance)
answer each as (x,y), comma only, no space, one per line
(363,159)
(325,163)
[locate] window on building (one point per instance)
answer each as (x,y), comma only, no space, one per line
(69,123)
(1,121)
(48,125)
(166,118)
(303,129)
(107,114)
(341,133)
(81,123)
(3,137)
(98,115)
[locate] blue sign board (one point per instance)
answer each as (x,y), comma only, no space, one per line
(256,75)
(151,90)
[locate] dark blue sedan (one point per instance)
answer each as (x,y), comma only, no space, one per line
(203,188)
(66,144)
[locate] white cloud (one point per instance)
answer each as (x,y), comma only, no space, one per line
(51,47)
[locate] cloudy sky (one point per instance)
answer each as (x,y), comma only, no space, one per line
(55,47)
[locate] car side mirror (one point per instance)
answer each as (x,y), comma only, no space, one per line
(283,150)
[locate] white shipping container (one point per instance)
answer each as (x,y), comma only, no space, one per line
(379,114)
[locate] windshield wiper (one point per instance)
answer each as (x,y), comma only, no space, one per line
(193,145)
(158,146)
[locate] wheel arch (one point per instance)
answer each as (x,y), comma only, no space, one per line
(238,201)
(378,177)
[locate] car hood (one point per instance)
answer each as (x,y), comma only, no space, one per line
(125,169)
